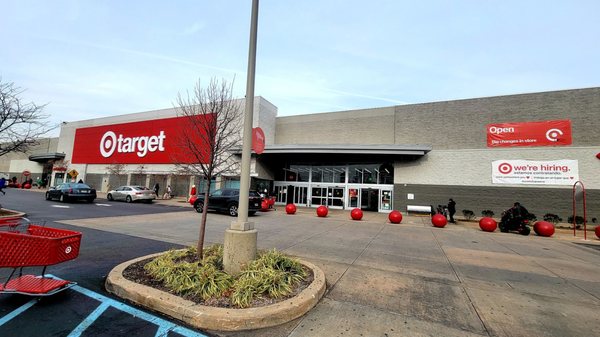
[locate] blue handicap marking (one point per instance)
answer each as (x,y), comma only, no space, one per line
(163,326)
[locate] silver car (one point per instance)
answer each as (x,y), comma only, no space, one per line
(131,193)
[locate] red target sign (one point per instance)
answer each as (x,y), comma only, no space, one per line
(505,168)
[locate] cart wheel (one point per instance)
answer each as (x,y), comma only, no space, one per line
(128,199)
(109,197)
(48,196)
(525,231)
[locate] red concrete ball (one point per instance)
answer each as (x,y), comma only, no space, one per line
(543,228)
(322,211)
(488,224)
(356,214)
(597,231)
(290,208)
(27,186)
(395,217)
(439,220)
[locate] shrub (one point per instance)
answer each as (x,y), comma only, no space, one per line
(468,214)
(594,220)
(552,218)
(531,217)
(271,275)
(578,219)
(488,213)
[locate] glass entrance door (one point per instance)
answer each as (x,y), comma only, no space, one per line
(335,197)
(386,197)
(369,199)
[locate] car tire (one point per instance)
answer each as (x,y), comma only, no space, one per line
(48,196)
(128,199)
(251,212)
(62,198)
(91,200)
(232,209)
(109,197)
(199,207)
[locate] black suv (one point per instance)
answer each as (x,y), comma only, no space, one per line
(226,200)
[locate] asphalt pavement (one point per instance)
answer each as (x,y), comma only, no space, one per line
(383,279)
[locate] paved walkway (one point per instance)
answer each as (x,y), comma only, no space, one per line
(412,279)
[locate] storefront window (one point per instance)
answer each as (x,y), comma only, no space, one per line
(329,174)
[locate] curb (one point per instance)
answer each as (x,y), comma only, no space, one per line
(213,318)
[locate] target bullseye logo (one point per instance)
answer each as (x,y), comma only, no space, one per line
(108,144)
(68,250)
(140,145)
(553,134)
(505,168)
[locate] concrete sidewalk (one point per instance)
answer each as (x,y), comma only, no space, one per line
(412,279)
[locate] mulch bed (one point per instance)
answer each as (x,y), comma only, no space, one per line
(136,273)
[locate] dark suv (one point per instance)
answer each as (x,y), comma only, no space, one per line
(226,200)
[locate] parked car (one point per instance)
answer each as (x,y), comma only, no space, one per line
(71,191)
(131,193)
(226,200)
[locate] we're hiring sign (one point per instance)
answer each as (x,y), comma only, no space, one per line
(545,133)
(157,141)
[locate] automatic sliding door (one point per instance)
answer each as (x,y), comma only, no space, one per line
(335,197)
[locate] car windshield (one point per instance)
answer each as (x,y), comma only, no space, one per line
(254,194)
(79,186)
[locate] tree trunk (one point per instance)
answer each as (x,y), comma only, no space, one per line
(200,246)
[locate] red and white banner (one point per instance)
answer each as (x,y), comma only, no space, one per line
(528,172)
(546,133)
(157,141)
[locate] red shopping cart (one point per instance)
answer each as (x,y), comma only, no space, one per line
(37,246)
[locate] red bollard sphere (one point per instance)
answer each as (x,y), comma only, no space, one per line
(488,224)
(395,217)
(597,231)
(356,214)
(290,208)
(543,228)
(27,186)
(322,211)
(439,220)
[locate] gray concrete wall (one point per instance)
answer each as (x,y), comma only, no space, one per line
(479,198)
(368,126)
(461,124)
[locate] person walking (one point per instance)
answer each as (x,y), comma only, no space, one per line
(156,188)
(2,184)
(451,210)
(167,194)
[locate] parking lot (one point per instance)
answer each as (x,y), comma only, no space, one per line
(383,279)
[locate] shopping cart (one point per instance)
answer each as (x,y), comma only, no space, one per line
(25,244)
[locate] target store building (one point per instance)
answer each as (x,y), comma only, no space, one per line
(485,153)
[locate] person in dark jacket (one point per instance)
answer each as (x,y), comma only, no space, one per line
(451,209)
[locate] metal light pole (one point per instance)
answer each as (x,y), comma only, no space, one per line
(240,239)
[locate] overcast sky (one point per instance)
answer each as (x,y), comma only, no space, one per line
(90,59)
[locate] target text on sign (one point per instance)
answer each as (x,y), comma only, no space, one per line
(545,133)
(558,172)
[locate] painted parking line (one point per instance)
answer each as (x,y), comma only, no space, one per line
(60,206)
(103,205)
(163,326)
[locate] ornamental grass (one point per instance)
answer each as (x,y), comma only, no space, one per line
(272,275)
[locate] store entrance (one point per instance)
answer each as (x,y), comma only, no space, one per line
(369,199)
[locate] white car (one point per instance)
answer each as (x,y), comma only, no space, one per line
(131,193)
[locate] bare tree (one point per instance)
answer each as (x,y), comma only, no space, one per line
(210,137)
(21,123)
(115,169)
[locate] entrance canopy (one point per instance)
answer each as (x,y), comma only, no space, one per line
(45,157)
(394,149)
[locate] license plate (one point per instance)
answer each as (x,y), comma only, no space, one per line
(85,191)
(256,204)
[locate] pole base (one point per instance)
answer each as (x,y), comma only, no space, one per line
(239,249)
